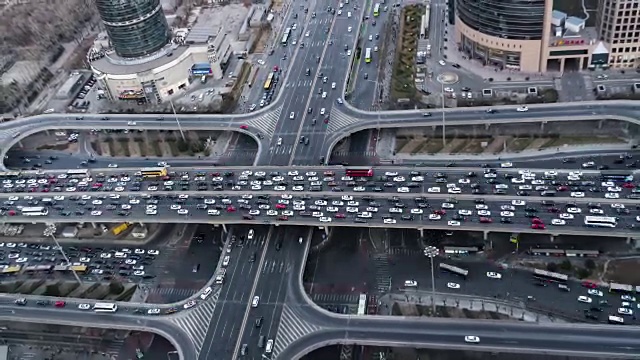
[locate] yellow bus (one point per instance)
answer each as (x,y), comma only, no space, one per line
(153,172)
(367,55)
(120,228)
(376,10)
(14,269)
(267,84)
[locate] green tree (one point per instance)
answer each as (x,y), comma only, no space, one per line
(590,264)
(553,267)
(583,273)
(566,265)
(182,146)
(115,287)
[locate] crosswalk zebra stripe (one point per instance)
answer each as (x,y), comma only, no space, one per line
(267,122)
(173,292)
(290,329)
(383,277)
(335,298)
(339,120)
(196,320)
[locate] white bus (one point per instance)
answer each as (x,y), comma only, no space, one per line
(367,55)
(454,270)
(362,304)
(285,36)
(376,10)
(105,307)
(79,173)
(35,211)
(600,221)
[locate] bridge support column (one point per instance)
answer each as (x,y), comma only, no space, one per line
(224,228)
(93,225)
(487,126)
(421,233)
(629,239)
(542,126)
(485,235)
(326,231)
(600,124)
(553,238)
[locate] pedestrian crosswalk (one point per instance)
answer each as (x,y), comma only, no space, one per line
(339,120)
(114,347)
(196,321)
(383,276)
(170,295)
(281,150)
(267,121)
(354,153)
(405,251)
(274,267)
(291,328)
(335,298)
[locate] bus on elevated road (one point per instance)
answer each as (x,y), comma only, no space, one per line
(359,171)
(362,304)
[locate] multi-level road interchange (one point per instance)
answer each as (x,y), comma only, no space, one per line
(286,120)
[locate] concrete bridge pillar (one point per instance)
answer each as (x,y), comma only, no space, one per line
(542,126)
(600,124)
(629,239)
(421,233)
(553,238)
(224,228)
(485,235)
(487,126)
(326,231)
(93,225)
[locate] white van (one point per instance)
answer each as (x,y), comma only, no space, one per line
(348,14)
(616,320)
(269,346)
(250,235)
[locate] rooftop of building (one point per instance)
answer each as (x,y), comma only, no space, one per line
(111,63)
(210,22)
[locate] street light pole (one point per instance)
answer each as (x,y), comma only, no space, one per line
(175,115)
(444,141)
(50,231)
(431,252)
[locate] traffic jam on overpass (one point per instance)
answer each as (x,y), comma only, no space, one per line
(505,199)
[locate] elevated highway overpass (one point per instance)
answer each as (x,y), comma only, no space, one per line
(348,121)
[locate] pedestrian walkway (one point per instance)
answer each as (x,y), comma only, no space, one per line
(114,347)
(196,321)
(382,273)
(267,121)
(339,120)
(291,328)
(171,295)
(425,298)
(335,298)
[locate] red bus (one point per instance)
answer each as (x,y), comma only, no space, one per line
(362,171)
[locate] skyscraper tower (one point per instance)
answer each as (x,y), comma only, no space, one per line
(136,27)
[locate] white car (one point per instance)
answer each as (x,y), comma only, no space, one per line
(494,275)
(558,222)
(153,311)
(205,294)
(471,339)
(433,189)
(112,166)
(442,63)
(566,216)
(131,123)
(506,165)
(403,190)
(585,299)
(389,221)
(434,217)
(574,210)
(292,115)
(322,111)
(595,292)
(84,306)
(577,194)
(325,219)
(453,285)
(453,223)
(507,214)
(518,203)
(625,311)
(410,283)
(522,109)
(189,304)
(255,301)
(333,85)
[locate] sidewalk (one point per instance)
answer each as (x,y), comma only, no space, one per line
(513,310)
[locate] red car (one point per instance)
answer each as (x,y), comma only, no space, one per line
(283,218)
(275,68)
(538,226)
(537,221)
(340,216)
(60,304)
(244,127)
(329,173)
(589,284)
(486,220)
(281,206)
(562,188)
(231,208)
(628,186)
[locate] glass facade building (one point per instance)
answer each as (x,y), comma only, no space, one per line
(136,27)
(507,19)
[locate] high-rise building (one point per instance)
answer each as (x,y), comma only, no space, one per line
(535,36)
(618,26)
(136,28)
